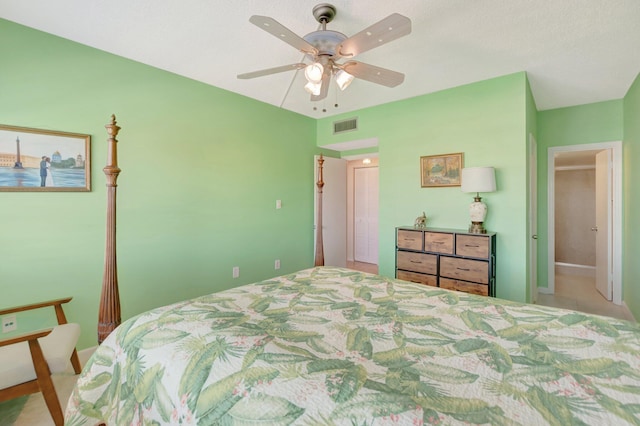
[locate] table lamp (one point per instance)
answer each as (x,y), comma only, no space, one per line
(478,179)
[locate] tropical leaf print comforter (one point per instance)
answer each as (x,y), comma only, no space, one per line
(331,346)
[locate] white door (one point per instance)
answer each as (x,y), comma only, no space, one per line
(334,210)
(533,220)
(603,223)
(366,215)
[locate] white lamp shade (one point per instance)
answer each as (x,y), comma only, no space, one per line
(313,72)
(478,179)
(313,88)
(343,79)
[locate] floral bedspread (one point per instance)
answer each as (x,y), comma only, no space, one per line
(331,346)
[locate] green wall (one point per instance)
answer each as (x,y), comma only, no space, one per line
(583,124)
(201,171)
(487,122)
(631,205)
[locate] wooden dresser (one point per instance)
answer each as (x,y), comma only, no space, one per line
(447,258)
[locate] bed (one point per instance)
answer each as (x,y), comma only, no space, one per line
(333,346)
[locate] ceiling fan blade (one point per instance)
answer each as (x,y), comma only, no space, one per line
(274,70)
(390,28)
(373,74)
(278,30)
(324,89)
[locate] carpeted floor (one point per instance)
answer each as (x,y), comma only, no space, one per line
(31,410)
(10,410)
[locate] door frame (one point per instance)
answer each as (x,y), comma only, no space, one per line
(616,214)
(533,218)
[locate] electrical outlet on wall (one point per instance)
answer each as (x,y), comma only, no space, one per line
(277,264)
(236,271)
(9,323)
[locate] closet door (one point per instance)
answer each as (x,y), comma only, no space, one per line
(366,215)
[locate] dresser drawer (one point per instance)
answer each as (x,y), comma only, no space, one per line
(431,280)
(411,240)
(467,287)
(438,242)
(417,262)
(464,269)
(472,246)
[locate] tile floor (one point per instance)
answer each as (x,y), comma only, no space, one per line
(363,267)
(579,293)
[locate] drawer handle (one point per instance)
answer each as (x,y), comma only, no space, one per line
(438,242)
(463,269)
(409,239)
(469,245)
(416,261)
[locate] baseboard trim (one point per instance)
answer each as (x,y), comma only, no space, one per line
(627,312)
(575,269)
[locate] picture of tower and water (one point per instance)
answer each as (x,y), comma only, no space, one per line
(42,161)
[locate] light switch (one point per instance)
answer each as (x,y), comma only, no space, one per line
(278,204)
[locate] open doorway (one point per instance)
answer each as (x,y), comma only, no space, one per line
(349,211)
(584,237)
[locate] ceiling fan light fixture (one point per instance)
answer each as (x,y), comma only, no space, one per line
(313,88)
(323,48)
(343,79)
(313,72)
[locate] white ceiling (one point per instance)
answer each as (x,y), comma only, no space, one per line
(574,51)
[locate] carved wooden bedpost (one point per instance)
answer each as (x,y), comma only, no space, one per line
(109,314)
(319,243)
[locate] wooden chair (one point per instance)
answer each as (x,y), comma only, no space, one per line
(27,360)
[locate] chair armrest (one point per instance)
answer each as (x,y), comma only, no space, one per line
(25,337)
(57,304)
(35,306)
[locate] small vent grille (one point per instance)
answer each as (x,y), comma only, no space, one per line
(345,125)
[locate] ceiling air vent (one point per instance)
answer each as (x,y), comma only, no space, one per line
(345,125)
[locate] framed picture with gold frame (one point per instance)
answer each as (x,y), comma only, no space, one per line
(441,170)
(44,160)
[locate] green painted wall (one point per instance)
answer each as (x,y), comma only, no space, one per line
(487,121)
(631,205)
(583,124)
(201,171)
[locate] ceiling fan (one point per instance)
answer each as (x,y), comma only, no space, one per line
(323,48)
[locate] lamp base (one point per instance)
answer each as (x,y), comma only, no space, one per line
(477,228)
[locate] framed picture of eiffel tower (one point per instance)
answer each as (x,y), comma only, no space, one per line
(44,160)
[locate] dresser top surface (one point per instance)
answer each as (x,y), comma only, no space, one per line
(447,230)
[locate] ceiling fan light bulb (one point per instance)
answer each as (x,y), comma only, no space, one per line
(343,79)
(313,88)
(313,72)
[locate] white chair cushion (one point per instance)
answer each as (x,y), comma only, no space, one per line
(16,365)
